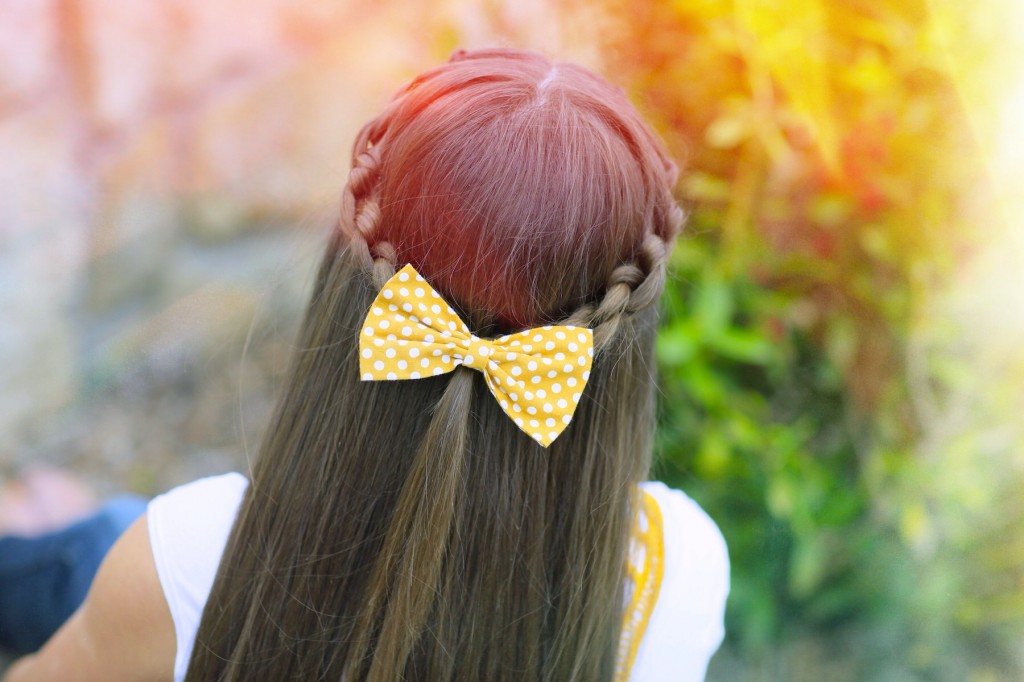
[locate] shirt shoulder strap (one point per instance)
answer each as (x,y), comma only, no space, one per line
(644,571)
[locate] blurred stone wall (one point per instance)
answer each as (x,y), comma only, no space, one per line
(168,172)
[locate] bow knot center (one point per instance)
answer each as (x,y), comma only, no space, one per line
(478,352)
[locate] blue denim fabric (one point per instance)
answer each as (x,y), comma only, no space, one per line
(44,579)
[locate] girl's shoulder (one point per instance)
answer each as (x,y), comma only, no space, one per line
(192,522)
(687,526)
(209,491)
(188,529)
(687,623)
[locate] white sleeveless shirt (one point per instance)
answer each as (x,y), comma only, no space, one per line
(189,527)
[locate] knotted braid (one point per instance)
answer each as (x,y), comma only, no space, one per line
(636,285)
(360,206)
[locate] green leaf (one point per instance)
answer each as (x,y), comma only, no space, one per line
(713,306)
(676,345)
(809,562)
(743,346)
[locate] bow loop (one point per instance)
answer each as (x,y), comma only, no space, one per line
(536,375)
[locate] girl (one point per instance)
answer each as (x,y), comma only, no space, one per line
(452,484)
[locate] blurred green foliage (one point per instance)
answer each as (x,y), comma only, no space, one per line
(832,525)
(827,162)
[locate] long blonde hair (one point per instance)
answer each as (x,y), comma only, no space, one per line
(408,529)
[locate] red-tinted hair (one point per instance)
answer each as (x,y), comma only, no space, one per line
(516,185)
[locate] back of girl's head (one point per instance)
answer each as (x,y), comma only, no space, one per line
(516,186)
(409,529)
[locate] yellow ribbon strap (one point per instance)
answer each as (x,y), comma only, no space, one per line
(537,375)
(645,570)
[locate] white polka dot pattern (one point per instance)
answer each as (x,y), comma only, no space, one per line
(537,375)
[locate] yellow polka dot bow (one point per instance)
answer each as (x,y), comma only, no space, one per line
(537,375)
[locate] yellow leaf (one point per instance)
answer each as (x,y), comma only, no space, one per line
(727,131)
